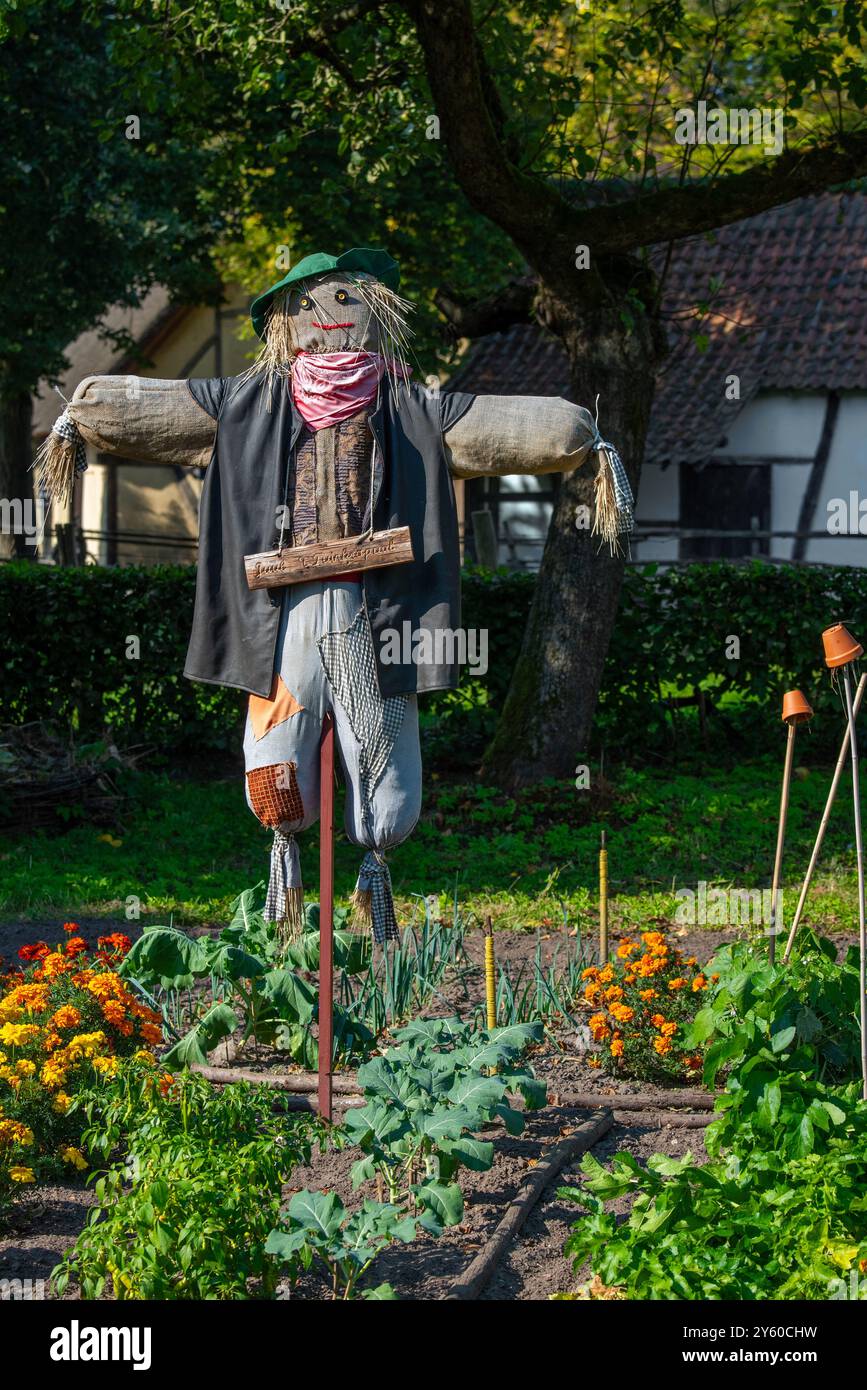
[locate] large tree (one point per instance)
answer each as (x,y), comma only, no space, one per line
(556,127)
(94,210)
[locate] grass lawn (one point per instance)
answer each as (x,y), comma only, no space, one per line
(186,848)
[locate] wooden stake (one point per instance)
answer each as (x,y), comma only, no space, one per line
(826,815)
(781,837)
(603,900)
(326,916)
(859,854)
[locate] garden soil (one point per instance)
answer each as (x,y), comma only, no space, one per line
(45,1223)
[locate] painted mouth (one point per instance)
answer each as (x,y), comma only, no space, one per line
(329,326)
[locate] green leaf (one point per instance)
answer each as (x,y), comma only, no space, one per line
(780,1041)
(445,1201)
(219,1022)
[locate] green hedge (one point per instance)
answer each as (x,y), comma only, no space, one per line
(66,644)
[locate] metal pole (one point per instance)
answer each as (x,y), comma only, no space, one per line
(826,816)
(490,979)
(859,852)
(603,900)
(781,837)
(326,915)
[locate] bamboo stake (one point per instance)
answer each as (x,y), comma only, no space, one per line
(490,978)
(826,816)
(859,853)
(781,838)
(603,900)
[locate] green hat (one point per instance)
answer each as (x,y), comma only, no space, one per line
(376,263)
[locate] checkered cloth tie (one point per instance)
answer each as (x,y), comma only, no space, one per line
(350,665)
(66,427)
(622,490)
(285,874)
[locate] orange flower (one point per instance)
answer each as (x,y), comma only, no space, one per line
(606,975)
(76,946)
(70,927)
(657,1020)
(592,990)
(668,1030)
(594,1062)
(699,983)
(691,960)
(617,1047)
(67,1016)
(53,964)
(662,1045)
(167,1081)
(622,1013)
(34,952)
(590,973)
(677,983)
(629,979)
(714,979)
(692,1063)
(615,992)
(626,947)
(647,994)
(150,1033)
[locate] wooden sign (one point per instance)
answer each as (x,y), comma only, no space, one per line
(296,564)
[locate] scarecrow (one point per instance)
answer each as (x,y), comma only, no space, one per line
(327,523)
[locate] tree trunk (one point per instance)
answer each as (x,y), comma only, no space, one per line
(547,718)
(16,479)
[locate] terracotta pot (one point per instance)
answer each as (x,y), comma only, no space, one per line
(840,646)
(796,707)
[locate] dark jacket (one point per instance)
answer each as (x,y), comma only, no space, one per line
(235,628)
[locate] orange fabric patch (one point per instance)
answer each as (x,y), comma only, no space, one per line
(280,706)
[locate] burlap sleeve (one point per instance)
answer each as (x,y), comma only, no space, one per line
(519,434)
(144,418)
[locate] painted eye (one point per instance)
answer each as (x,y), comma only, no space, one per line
(341,296)
(305,302)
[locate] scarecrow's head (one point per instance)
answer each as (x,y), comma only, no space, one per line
(326,303)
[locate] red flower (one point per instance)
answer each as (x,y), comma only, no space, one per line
(70,927)
(75,946)
(114,946)
(37,951)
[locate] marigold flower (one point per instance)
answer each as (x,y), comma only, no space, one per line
(35,951)
(106,1066)
(592,991)
(691,960)
(19,1034)
(590,973)
(647,994)
(613,993)
(668,1030)
(18,1173)
(167,1081)
(150,1033)
(657,1020)
(617,1047)
(14,1132)
(622,1012)
(70,927)
(677,983)
(52,965)
(52,1074)
(699,983)
(61,1103)
(626,947)
(76,946)
(594,1062)
(67,1016)
(113,1011)
(74,1156)
(629,979)
(693,1062)
(51,1041)
(714,979)
(25,1067)
(606,975)
(662,1045)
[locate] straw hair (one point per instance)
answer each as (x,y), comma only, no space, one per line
(54,468)
(606,518)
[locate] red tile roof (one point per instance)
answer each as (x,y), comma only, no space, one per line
(779,300)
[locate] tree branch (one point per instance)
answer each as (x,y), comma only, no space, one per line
(511,304)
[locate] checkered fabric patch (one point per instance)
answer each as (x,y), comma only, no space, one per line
(349,663)
(274,794)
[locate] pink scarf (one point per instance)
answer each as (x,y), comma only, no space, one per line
(328,387)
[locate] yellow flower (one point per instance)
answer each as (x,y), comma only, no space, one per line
(662,1045)
(52,1075)
(144,1056)
(617,1047)
(19,1034)
(20,1174)
(25,1067)
(61,1103)
(74,1156)
(106,1066)
(699,983)
(668,1030)
(14,1132)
